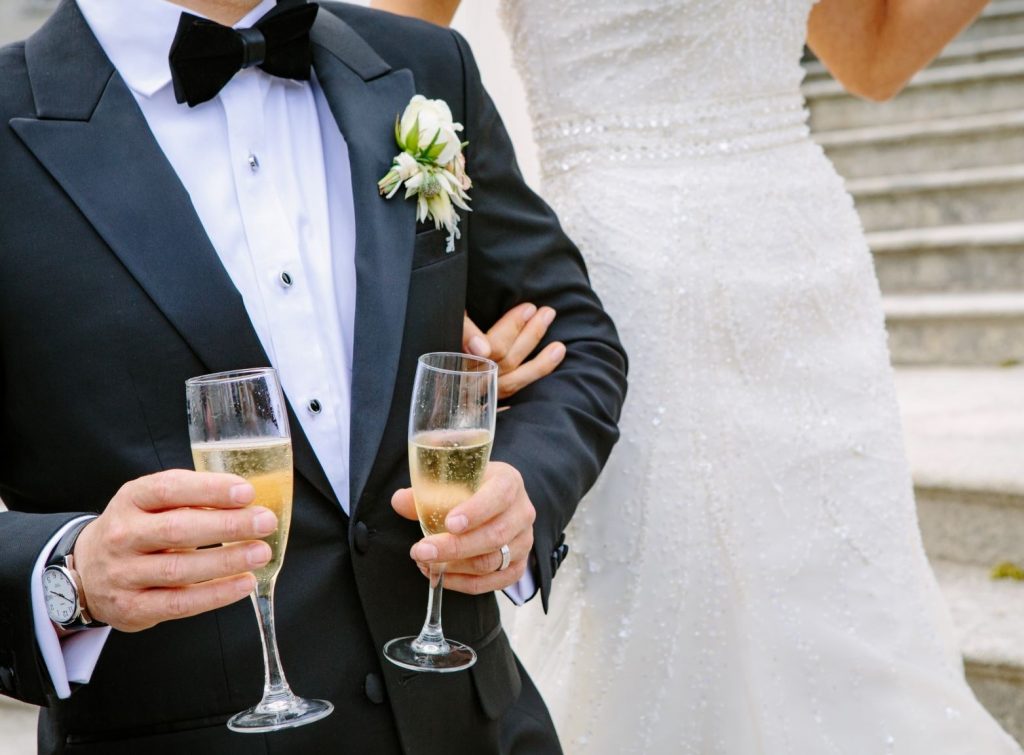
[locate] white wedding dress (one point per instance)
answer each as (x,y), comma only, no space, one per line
(748,576)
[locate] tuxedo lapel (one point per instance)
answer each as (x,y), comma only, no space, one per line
(93,139)
(365,96)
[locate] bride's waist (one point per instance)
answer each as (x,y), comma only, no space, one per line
(695,129)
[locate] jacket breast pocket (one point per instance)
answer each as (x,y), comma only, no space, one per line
(430,247)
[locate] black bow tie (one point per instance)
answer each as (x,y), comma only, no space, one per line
(205,55)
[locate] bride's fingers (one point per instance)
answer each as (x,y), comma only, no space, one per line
(540,366)
(473,339)
(504,332)
(527,340)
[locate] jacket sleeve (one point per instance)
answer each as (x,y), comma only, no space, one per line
(23,674)
(559,431)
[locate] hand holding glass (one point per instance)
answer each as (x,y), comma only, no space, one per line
(238,424)
(451,428)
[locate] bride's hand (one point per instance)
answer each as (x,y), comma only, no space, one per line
(510,341)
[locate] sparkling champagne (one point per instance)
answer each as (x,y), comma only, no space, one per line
(266,463)
(447,467)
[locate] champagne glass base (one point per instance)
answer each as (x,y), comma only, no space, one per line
(288,713)
(402,652)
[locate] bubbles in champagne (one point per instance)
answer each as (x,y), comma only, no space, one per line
(266,463)
(447,467)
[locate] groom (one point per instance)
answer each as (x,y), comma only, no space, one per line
(144,240)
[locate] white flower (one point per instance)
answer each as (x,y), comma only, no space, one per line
(430,165)
(429,122)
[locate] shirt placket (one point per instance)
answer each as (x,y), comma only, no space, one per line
(285,296)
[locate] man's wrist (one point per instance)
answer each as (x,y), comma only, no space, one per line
(62,586)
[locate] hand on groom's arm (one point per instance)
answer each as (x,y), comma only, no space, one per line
(499,513)
(142,560)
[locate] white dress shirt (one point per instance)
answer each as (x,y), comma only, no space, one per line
(268,173)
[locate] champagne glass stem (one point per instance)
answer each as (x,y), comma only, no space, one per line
(275,686)
(431,638)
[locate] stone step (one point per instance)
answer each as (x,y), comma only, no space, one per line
(956,329)
(945,143)
(964,432)
(999,17)
(17,727)
(988,618)
(940,92)
(983,527)
(973,50)
(964,195)
(950,259)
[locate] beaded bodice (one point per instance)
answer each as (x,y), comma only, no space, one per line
(638,74)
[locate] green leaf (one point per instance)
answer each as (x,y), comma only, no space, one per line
(435,152)
(398,131)
(432,150)
(1007,570)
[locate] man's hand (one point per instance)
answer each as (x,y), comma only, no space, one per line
(510,341)
(140,561)
(499,513)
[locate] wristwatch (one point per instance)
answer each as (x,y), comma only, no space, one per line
(62,587)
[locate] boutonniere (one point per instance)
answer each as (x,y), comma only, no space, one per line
(430,164)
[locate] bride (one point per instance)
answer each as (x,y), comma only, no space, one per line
(748,576)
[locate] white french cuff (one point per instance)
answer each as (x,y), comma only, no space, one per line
(522,591)
(430,165)
(73,658)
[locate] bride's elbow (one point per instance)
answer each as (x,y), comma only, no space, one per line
(877,87)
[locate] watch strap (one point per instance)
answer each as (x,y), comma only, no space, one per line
(66,544)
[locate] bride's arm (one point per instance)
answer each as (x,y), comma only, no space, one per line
(439,12)
(873,47)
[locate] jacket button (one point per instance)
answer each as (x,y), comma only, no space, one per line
(361,538)
(374,688)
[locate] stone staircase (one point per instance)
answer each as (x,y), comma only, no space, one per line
(938,178)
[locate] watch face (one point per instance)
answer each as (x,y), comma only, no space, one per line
(59,591)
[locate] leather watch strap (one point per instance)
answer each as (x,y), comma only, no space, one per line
(66,544)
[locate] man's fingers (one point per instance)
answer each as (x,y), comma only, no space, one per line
(194,528)
(188,567)
(181,487)
(163,604)
(486,563)
(528,339)
(473,339)
(490,537)
(540,366)
(485,583)
(502,484)
(505,331)
(404,503)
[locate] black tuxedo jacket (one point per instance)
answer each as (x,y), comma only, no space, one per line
(111,295)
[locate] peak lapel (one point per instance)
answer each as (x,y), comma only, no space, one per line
(93,139)
(365,96)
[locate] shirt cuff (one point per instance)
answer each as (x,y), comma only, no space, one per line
(522,591)
(73,658)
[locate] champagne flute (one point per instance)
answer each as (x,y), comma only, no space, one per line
(238,423)
(451,428)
